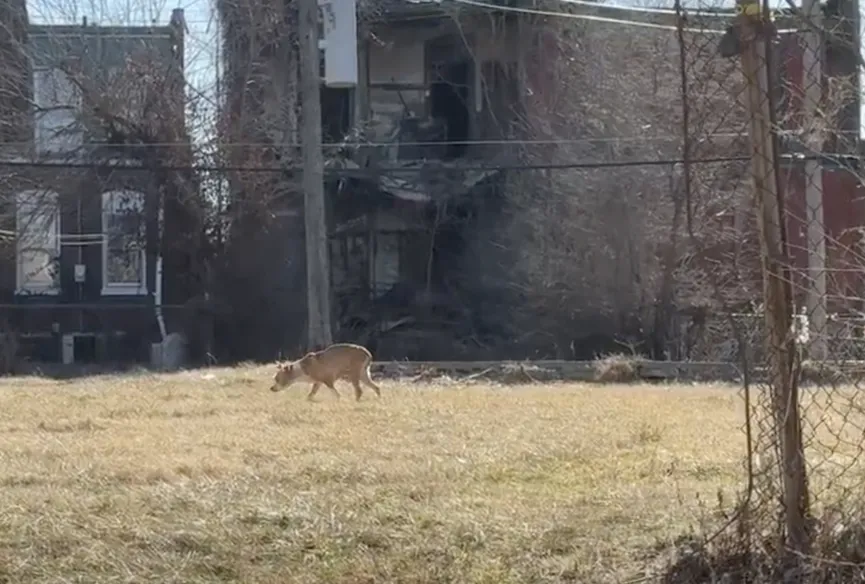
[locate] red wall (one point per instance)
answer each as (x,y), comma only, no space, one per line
(844,217)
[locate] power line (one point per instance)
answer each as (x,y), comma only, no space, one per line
(84,306)
(573,16)
(595,18)
(648,10)
(360,172)
(498,142)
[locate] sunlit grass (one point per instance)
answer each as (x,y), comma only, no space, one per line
(209,477)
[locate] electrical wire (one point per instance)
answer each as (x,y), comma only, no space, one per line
(592,17)
(432,167)
(649,10)
(351,145)
(376,171)
(572,16)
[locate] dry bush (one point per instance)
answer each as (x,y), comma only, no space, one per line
(618,368)
(738,555)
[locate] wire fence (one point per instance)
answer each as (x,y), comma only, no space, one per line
(795,257)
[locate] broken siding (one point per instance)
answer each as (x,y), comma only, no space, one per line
(405,61)
(371,251)
(396,74)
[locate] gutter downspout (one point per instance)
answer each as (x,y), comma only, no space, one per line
(157,295)
(157,298)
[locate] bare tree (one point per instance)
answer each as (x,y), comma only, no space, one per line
(607,252)
(262,269)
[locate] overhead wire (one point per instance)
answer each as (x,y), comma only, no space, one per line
(376,171)
(595,18)
(491,142)
(727,13)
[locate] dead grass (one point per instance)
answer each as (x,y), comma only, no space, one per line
(617,368)
(209,477)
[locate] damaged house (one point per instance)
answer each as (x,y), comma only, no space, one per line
(418,190)
(409,198)
(409,213)
(421,181)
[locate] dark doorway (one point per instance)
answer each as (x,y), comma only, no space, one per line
(335,115)
(449,101)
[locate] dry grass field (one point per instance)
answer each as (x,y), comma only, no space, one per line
(206,476)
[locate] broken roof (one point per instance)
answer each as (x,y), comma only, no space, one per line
(431,180)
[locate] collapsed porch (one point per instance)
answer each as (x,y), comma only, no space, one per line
(397,262)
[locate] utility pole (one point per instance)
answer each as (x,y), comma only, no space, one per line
(812,78)
(754,31)
(315,221)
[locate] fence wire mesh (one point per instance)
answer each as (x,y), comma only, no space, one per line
(788,275)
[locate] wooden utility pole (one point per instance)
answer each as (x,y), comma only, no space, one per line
(754,31)
(812,79)
(317,264)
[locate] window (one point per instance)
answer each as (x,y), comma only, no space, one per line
(134,88)
(57,102)
(123,243)
(37,242)
(385,265)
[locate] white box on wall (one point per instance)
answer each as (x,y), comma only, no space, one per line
(339,42)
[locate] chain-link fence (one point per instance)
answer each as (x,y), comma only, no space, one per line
(787,81)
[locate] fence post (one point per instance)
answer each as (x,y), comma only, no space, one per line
(754,29)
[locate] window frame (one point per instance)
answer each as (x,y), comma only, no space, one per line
(23,199)
(54,140)
(109,208)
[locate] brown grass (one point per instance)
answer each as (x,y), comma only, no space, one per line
(209,477)
(617,368)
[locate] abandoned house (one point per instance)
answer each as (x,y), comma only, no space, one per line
(419,176)
(83,211)
(424,80)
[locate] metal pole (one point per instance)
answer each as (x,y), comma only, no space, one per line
(812,78)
